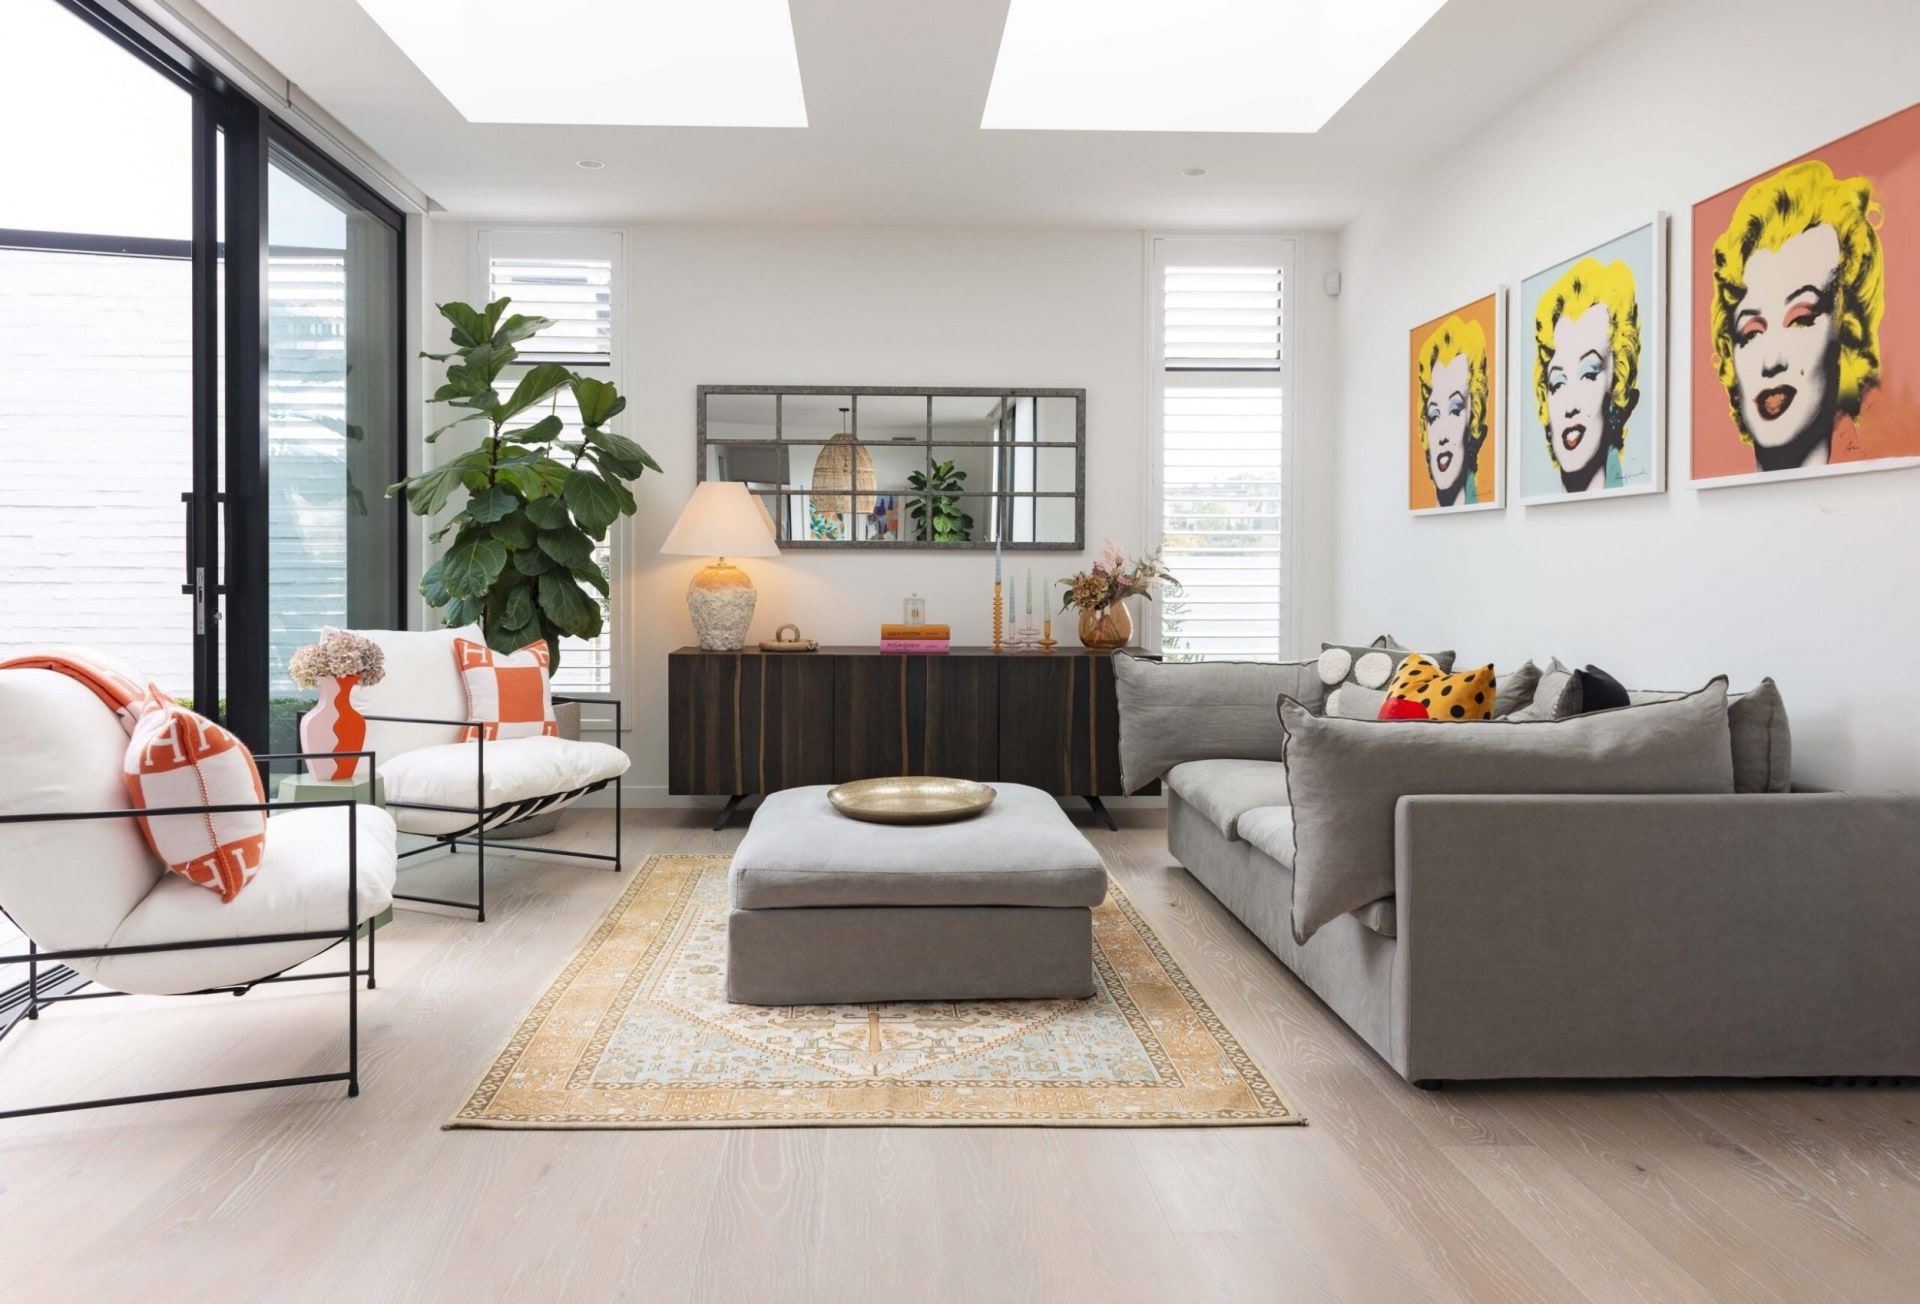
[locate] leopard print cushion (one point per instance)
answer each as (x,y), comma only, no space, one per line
(1466,695)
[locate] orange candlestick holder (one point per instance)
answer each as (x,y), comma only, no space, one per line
(999,614)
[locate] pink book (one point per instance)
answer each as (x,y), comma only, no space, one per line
(915,645)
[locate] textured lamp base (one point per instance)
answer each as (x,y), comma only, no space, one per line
(720,600)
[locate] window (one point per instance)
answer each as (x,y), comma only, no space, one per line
(569,277)
(1221,381)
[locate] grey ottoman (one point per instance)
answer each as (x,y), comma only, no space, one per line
(827,910)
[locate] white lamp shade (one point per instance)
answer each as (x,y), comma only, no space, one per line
(722,520)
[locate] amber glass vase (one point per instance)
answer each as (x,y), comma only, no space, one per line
(1106,629)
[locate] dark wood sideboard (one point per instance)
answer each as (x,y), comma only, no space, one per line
(751,722)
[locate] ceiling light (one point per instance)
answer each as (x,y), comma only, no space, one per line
(1201,65)
(653,63)
(590,164)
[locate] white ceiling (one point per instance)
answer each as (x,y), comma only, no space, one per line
(894,94)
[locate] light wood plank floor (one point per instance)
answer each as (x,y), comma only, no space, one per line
(1666,1190)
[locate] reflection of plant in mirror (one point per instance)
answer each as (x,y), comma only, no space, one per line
(538,498)
(936,513)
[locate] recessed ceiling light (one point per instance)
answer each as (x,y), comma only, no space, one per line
(1193,172)
(590,164)
(1201,65)
(649,63)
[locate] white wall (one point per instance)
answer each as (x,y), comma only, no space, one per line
(1811,582)
(872,306)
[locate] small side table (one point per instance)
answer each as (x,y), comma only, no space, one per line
(304,787)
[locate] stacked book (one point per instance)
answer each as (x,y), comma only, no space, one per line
(915,638)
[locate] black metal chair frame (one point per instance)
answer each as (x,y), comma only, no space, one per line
(349,935)
(485,817)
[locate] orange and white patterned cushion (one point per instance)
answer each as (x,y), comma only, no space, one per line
(506,691)
(177,758)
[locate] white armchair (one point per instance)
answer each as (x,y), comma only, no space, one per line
(457,793)
(79,880)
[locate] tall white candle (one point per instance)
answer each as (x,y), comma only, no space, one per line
(996,560)
(1029,595)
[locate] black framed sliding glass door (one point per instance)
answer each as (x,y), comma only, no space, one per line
(201,381)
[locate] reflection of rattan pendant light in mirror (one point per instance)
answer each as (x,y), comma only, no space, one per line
(843,465)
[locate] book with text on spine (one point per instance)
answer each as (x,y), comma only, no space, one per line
(916,633)
(915,645)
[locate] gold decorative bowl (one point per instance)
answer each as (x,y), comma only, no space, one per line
(911,799)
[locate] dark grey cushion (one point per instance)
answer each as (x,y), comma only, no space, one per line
(1224,790)
(1344,778)
(1761,738)
(1203,710)
(1023,851)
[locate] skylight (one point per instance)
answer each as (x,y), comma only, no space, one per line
(1191,65)
(648,63)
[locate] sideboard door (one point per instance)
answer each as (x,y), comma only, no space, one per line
(915,715)
(1060,724)
(745,723)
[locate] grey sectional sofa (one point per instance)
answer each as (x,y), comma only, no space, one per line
(1590,935)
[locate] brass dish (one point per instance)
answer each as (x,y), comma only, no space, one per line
(911,799)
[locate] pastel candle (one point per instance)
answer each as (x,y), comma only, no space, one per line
(996,561)
(1029,595)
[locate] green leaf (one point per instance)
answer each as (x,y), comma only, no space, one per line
(593,575)
(471,565)
(519,611)
(593,504)
(514,530)
(490,505)
(469,327)
(599,401)
(540,432)
(548,513)
(431,587)
(537,479)
(532,561)
(567,606)
(538,383)
(457,421)
(427,493)
(519,327)
(568,546)
(620,454)
(463,611)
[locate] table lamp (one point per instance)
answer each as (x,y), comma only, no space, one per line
(721,520)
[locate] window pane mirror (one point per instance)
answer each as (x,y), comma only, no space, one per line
(883,467)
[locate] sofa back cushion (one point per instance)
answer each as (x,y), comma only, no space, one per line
(1345,777)
(1172,712)
(61,749)
(1762,739)
(422,679)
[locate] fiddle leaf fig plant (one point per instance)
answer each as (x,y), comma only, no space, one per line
(537,496)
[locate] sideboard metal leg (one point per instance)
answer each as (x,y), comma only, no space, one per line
(726,812)
(1101,813)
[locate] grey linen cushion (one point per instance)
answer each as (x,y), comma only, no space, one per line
(1356,702)
(1514,689)
(1345,777)
(1023,851)
(1203,710)
(1556,696)
(1224,790)
(1372,666)
(1762,740)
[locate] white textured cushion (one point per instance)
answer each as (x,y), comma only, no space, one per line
(61,749)
(301,887)
(421,680)
(518,769)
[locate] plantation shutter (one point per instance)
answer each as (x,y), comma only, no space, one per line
(551,275)
(1221,392)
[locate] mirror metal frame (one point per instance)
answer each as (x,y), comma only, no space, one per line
(1078,494)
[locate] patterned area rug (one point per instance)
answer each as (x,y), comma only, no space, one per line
(637,1033)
